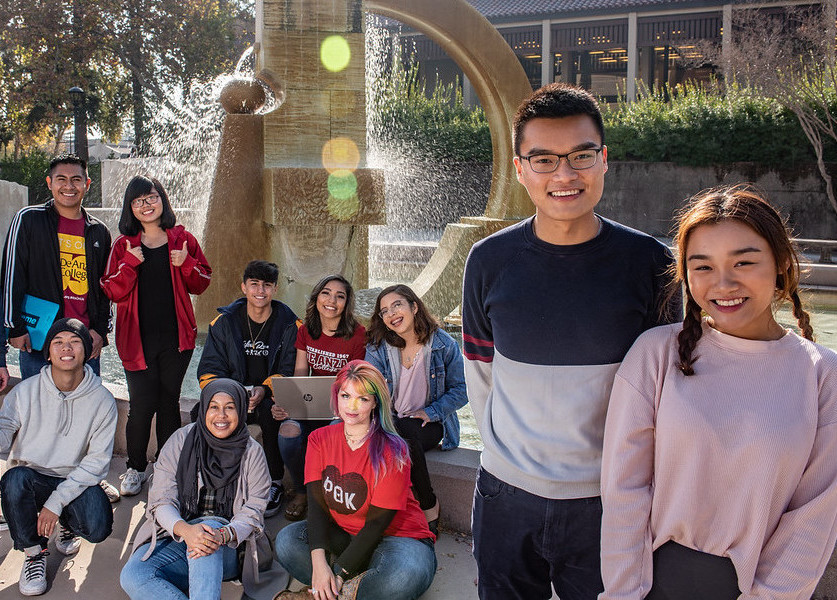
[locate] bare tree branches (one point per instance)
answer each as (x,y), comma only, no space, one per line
(789,55)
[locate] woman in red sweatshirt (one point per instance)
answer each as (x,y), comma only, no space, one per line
(153,267)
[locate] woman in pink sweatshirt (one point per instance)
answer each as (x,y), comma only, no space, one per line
(719,477)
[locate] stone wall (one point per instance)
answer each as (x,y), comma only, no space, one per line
(13,197)
(646,195)
(429,194)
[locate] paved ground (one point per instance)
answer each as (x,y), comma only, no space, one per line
(94,572)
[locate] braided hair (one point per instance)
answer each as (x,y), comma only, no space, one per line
(742,203)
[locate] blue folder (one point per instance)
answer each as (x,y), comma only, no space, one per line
(39,314)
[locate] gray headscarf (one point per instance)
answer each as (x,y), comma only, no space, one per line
(218,460)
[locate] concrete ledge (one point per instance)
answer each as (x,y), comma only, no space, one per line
(454,475)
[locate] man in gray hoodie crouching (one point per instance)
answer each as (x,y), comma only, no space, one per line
(58,430)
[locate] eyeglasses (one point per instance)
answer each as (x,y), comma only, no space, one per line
(395,307)
(151,200)
(578,160)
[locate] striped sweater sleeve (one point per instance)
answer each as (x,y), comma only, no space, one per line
(477,337)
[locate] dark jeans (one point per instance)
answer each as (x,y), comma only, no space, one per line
(270,434)
(681,573)
(23,492)
(419,440)
(31,363)
(523,543)
(155,390)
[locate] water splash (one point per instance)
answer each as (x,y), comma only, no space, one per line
(184,137)
(423,193)
(246,65)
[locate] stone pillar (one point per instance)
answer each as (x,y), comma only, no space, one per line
(547,61)
(633,58)
(235,232)
(316,48)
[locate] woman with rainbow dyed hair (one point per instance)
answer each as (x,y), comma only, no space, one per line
(366,536)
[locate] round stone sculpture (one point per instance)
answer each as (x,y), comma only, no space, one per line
(242,96)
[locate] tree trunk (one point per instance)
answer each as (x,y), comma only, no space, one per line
(140,134)
(135,57)
(80,112)
(814,137)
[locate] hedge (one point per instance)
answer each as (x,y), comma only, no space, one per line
(30,169)
(695,125)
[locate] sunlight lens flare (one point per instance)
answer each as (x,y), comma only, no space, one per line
(335,53)
(340,154)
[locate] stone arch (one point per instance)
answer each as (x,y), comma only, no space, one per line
(492,68)
(501,84)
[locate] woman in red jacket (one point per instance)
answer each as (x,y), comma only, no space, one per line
(153,267)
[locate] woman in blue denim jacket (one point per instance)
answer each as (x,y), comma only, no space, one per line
(424,371)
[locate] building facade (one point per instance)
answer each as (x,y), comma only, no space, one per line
(607,46)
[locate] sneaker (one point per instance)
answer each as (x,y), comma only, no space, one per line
(32,580)
(110,491)
(132,481)
(66,542)
(274,499)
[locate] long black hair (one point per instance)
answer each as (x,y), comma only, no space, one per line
(142,186)
(348,323)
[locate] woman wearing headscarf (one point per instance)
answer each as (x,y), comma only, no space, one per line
(207,499)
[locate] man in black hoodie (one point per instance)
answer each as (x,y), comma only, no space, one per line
(250,341)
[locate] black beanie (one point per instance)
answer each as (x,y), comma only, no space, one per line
(74,326)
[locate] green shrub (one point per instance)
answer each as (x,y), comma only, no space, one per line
(404,119)
(702,126)
(31,170)
(697,125)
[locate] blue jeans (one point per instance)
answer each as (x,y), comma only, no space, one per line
(169,574)
(400,568)
(293,449)
(23,492)
(523,543)
(31,363)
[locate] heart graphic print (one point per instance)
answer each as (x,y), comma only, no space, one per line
(344,494)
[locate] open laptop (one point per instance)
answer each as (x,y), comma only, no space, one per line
(304,397)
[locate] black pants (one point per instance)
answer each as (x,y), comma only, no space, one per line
(419,440)
(681,573)
(156,390)
(270,437)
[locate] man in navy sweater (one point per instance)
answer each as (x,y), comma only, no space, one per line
(550,307)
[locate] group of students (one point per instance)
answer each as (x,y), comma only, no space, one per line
(208,477)
(366,535)
(629,453)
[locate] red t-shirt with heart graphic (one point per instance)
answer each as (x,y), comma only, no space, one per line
(349,485)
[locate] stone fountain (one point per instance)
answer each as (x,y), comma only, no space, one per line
(292,185)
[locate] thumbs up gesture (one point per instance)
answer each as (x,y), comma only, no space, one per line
(136,251)
(178,257)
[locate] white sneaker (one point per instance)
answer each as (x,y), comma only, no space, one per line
(110,491)
(132,481)
(32,580)
(66,542)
